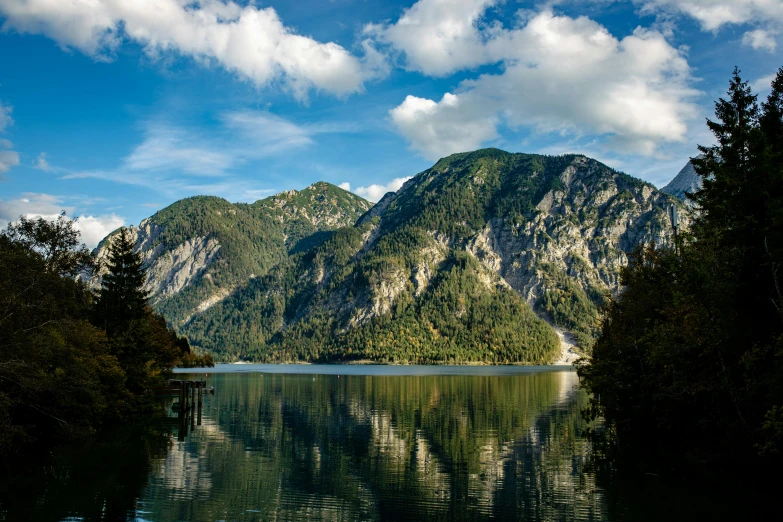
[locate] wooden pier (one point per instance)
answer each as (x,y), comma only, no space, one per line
(191,395)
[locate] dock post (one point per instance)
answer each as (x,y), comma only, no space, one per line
(200,387)
(192,407)
(192,394)
(181,432)
(181,396)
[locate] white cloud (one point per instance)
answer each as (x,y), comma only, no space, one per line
(32,204)
(439,37)
(376,192)
(455,124)
(249,41)
(271,134)
(47,206)
(345,186)
(172,148)
(5,117)
(713,14)
(8,158)
(564,75)
(42,163)
(763,84)
(170,151)
(95,228)
(760,39)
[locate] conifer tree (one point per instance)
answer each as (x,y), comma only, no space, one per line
(689,366)
(122,297)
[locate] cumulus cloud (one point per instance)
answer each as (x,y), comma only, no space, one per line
(345,186)
(454,124)
(565,75)
(249,41)
(760,39)
(94,228)
(47,206)
(438,37)
(713,14)
(375,192)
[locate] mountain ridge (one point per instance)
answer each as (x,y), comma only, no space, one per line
(552,231)
(198,249)
(467,262)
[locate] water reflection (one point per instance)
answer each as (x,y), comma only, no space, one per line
(359,447)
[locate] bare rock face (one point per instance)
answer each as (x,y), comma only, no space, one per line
(686,181)
(319,204)
(586,227)
(198,250)
(577,236)
(168,270)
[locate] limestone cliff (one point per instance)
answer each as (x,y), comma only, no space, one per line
(448,268)
(198,250)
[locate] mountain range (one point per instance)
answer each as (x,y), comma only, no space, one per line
(486,257)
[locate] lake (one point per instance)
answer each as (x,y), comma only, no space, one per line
(351,442)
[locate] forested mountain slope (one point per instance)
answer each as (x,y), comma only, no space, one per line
(445,270)
(198,250)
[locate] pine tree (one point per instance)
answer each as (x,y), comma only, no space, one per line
(122,297)
(690,362)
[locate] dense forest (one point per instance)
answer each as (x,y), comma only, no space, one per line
(449,269)
(457,318)
(689,367)
(214,245)
(73,361)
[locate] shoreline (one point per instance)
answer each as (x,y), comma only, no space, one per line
(377,369)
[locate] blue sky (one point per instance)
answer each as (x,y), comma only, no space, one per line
(111,110)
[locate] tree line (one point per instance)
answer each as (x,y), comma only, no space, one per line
(73,360)
(689,366)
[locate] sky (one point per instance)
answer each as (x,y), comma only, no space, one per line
(112,109)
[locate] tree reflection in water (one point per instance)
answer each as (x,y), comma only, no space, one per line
(292,447)
(359,447)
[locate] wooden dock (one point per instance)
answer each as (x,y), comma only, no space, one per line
(191,395)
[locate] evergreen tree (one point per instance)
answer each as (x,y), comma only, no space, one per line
(122,297)
(689,366)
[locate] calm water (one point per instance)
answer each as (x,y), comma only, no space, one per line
(357,443)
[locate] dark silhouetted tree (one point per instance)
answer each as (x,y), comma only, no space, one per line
(122,297)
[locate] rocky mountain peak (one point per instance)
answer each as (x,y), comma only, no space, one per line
(686,181)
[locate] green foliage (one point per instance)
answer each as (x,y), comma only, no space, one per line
(357,294)
(252,238)
(690,363)
(122,297)
(569,306)
(302,310)
(57,377)
(462,192)
(57,242)
(61,376)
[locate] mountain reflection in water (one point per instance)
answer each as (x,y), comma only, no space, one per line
(356,447)
(369,447)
